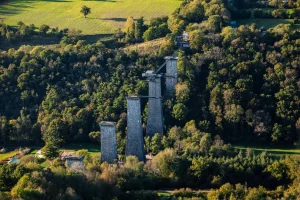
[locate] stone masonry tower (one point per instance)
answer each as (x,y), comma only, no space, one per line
(155,114)
(171,74)
(135,139)
(108,142)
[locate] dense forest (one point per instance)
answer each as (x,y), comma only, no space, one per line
(241,84)
(235,85)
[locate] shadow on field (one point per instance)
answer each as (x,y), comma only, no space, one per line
(102,0)
(11,8)
(31,1)
(95,38)
(17,6)
(115,19)
(34,41)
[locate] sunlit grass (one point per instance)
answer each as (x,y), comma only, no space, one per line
(277,152)
(106,15)
(93,149)
(3,156)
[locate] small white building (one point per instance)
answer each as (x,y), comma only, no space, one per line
(39,154)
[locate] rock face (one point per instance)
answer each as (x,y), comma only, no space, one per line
(155,114)
(108,142)
(171,74)
(135,140)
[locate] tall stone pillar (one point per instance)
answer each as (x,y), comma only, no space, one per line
(135,139)
(171,74)
(155,115)
(108,142)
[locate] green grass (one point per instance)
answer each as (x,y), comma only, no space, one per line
(163,194)
(45,164)
(3,156)
(93,149)
(277,152)
(267,23)
(34,151)
(106,15)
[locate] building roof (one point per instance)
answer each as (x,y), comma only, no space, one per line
(14,160)
(70,156)
(39,154)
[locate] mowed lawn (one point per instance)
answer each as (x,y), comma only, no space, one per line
(93,149)
(106,15)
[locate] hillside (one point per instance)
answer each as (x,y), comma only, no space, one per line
(106,15)
(149,47)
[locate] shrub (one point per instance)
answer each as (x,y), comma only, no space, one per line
(184,192)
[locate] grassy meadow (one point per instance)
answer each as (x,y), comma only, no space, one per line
(3,156)
(266,23)
(106,15)
(275,151)
(93,149)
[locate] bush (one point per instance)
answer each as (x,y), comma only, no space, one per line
(184,192)
(279,14)
(257,194)
(142,195)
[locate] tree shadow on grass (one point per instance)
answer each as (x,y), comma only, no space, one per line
(115,19)
(40,41)
(15,7)
(34,41)
(95,38)
(102,0)
(31,1)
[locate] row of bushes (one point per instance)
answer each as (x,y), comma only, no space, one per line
(24,32)
(269,4)
(276,14)
(226,191)
(266,14)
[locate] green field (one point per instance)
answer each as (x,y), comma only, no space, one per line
(271,150)
(34,151)
(267,23)
(93,149)
(106,15)
(3,156)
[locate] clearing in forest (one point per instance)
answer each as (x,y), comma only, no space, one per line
(106,15)
(266,23)
(279,151)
